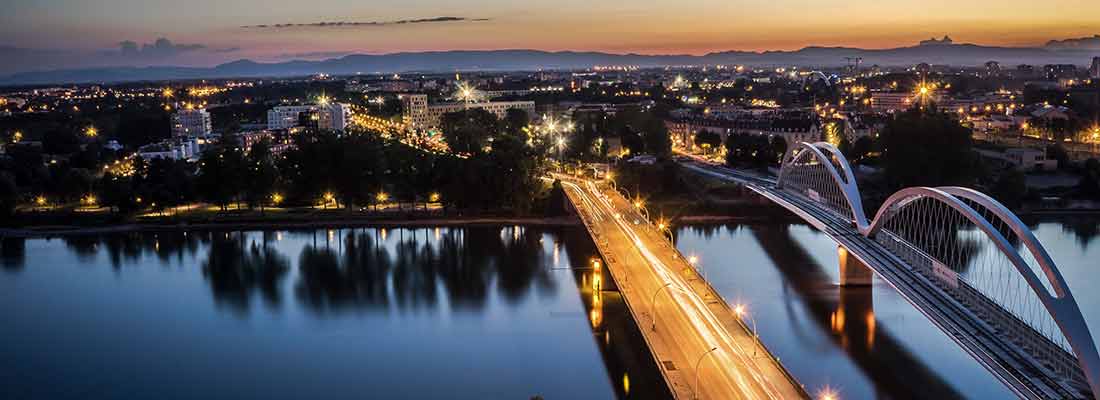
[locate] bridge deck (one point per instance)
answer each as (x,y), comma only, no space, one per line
(680,316)
(983,342)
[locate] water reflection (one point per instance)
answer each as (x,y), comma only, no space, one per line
(235,269)
(847,313)
(630,366)
(434,301)
(13,253)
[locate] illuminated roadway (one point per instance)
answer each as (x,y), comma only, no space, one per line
(680,316)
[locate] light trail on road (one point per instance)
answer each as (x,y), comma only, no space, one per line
(691,320)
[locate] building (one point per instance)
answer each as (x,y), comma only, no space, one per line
(333,116)
(185,148)
(418,114)
(792,126)
(1059,71)
(337,117)
(286,117)
(415,108)
(279,141)
(191,123)
(891,101)
(1094,71)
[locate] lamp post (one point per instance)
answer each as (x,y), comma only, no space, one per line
(652,305)
(665,229)
(695,388)
(740,310)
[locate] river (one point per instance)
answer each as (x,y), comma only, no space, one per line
(458,313)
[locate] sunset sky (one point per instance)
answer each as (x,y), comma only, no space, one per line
(211,31)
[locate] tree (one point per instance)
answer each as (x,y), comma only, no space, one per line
(261,175)
(708,139)
(118,193)
(468,131)
(221,175)
(657,141)
(1089,185)
(1010,188)
(861,148)
(514,121)
(1058,153)
(928,148)
(60,141)
(76,183)
(9,194)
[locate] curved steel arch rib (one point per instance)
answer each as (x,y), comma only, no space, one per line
(1062,307)
(847,182)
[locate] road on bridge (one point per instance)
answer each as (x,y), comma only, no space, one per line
(694,335)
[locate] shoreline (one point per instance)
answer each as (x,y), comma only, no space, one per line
(60,230)
(46,231)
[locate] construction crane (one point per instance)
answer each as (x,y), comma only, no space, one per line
(854,62)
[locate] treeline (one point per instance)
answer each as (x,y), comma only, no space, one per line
(358,169)
(754,150)
(351,171)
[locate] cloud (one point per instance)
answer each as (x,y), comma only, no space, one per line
(1085,43)
(161,48)
(315,55)
(335,24)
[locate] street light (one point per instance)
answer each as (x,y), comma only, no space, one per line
(329,197)
(695,388)
(381,197)
(741,312)
(664,227)
(89,200)
(91,131)
(276,199)
(652,305)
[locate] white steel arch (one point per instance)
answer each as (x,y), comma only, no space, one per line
(846,182)
(1061,306)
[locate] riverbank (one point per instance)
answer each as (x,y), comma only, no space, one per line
(322,223)
(330,221)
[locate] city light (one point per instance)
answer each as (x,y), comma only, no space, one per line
(16,137)
(276,199)
(382,196)
(434,198)
(40,200)
(91,131)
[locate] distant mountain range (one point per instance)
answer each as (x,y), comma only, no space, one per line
(1055,52)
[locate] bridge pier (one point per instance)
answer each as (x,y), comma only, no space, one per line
(852,271)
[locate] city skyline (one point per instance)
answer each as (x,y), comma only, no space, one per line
(205,33)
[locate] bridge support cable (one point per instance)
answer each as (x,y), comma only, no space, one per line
(820,173)
(977,258)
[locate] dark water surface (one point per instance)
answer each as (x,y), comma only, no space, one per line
(481,313)
(478,313)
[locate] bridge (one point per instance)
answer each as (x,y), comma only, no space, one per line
(960,257)
(699,343)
